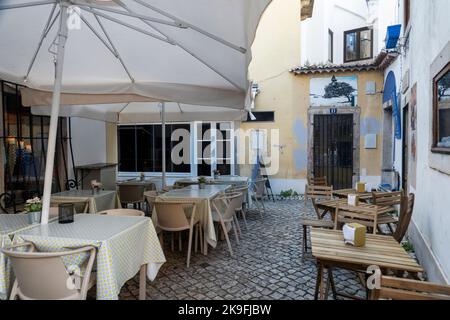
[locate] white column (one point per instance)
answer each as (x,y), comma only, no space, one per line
(163,122)
(61,42)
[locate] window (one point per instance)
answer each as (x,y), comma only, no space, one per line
(140,148)
(441,112)
(330,45)
(358,44)
(263,116)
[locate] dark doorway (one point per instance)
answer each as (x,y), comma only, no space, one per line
(405,148)
(333,149)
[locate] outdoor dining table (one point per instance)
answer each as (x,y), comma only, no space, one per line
(148,184)
(98,200)
(363,196)
(202,198)
(125,245)
(10,224)
(330,206)
(237,181)
(330,251)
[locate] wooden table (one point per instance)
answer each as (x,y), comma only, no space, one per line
(363,196)
(331,206)
(330,251)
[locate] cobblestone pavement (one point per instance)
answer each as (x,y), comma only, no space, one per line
(267,265)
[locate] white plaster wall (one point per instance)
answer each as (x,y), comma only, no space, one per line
(429,34)
(340,16)
(88,141)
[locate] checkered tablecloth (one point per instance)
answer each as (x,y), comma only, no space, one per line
(10,224)
(123,245)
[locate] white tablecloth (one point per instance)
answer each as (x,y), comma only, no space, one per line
(202,197)
(103,200)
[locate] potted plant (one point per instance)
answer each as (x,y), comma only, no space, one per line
(201,182)
(216,174)
(142,176)
(33,207)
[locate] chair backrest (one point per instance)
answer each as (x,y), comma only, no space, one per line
(171,215)
(43,275)
(366,216)
(387,198)
(406,289)
(260,187)
(243,192)
(151,196)
(131,193)
(406,211)
(228,204)
(318,193)
(123,212)
(317,181)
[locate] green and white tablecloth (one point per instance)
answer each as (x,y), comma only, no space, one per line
(123,245)
(98,201)
(202,197)
(10,224)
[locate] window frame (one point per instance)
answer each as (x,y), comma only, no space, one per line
(330,46)
(358,43)
(435,129)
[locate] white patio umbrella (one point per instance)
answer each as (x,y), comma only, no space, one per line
(193,52)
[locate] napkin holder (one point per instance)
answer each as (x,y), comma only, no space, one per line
(355,234)
(353,200)
(361,187)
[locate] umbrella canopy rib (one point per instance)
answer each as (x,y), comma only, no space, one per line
(27,4)
(191,26)
(190,52)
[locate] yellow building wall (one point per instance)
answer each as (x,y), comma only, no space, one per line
(276,50)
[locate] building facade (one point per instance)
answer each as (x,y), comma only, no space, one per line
(421,154)
(322,83)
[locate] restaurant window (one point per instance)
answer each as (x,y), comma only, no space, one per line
(358,44)
(262,116)
(441,112)
(330,45)
(140,148)
(23,151)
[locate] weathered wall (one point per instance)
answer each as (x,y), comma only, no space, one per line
(430,40)
(275,51)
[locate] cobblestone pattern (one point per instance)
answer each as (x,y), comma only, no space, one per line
(267,265)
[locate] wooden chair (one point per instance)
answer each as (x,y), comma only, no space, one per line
(318,181)
(406,289)
(387,198)
(131,194)
(172,218)
(402,223)
(307,224)
(362,215)
(318,193)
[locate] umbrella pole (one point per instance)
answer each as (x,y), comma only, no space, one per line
(163,122)
(59,62)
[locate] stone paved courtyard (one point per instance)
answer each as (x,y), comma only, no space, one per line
(267,265)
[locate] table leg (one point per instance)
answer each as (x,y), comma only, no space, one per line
(319,281)
(143,282)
